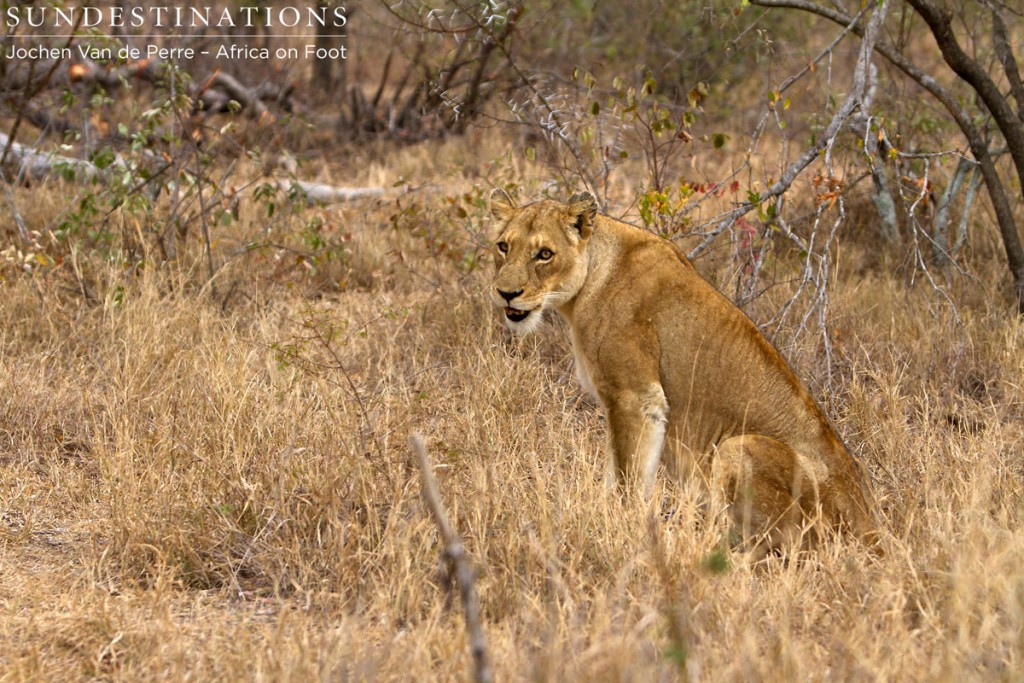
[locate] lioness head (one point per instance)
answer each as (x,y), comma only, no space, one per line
(539,254)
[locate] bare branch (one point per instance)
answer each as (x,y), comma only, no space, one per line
(30,90)
(34,164)
(940,244)
(455,552)
(1001,41)
(965,214)
(810,154)
(249,100)
(19,220)
(319,193)
(940,23)
(978,143)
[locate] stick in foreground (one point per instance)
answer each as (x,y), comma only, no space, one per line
(455,553)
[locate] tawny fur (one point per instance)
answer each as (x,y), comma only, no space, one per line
(679,369)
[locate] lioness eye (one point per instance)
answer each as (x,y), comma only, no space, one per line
(502,247)
(545,254)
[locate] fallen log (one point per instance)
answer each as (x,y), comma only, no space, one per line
(31,164)
(247,98)
(318,193)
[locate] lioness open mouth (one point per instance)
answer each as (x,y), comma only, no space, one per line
(515,315)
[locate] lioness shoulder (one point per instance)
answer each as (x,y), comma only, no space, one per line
(678,368)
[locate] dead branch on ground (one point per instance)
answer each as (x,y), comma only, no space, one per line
(458,561)
(31,164)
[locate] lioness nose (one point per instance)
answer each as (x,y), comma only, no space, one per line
(508,296)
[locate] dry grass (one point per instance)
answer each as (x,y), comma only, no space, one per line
(194,490)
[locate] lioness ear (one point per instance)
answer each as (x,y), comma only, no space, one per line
(584,207)
(501,203)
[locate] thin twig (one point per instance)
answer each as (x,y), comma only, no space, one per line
(18,219)
(455,553)
(29,92)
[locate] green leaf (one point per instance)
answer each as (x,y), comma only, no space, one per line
(104,157)
(718,140)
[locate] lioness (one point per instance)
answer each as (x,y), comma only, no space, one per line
(675,364)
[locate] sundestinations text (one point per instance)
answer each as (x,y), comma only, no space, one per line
(174,17)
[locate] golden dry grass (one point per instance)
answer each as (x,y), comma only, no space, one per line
(196,488)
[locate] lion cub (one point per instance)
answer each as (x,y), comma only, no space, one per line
(676,366)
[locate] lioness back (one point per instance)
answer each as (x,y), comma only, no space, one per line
(678,368)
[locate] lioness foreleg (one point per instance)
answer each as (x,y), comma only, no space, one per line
(636,426)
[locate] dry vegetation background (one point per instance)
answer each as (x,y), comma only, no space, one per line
(209,478)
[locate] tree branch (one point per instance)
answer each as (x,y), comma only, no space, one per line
(976,141)
(318,193)
(1001,41)
(35,164)
(455,552)
(940,23)
(810,154)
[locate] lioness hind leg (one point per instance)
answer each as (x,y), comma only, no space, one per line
(773,492)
